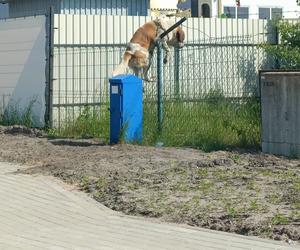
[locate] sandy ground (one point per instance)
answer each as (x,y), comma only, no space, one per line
(248,193)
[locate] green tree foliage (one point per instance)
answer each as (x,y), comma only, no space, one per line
(288,51)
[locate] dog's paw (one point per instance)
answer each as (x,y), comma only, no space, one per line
(152,79)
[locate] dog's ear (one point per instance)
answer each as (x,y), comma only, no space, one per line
(180,35)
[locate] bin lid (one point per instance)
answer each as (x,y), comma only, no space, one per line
(125,78)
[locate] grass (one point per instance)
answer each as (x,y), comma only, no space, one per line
(280,219)
(208,125)
(90,123)
(213,123)
(16,115)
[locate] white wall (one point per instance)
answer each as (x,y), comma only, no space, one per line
(289,6)
(23,64)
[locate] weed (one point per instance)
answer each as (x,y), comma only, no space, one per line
(296,215)
(274,198)
(16,115)
(85,183)
(280,219)
(101,183)
(221,175)
(296,205)
(132,186)
(91,122)
(202,172)
(236,158)
(205,186)
(267,172)
(231,212)
(296,186)
(253,205)
(196,200)
(181,186)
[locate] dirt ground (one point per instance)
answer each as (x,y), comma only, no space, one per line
(248,193)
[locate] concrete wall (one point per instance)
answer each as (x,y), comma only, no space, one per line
(22,65)
(280,95)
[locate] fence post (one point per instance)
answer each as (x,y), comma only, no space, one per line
(160,85)
(160,73)
(176,71)
(49,69)
(277,41)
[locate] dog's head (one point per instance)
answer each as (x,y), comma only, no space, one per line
(180,37)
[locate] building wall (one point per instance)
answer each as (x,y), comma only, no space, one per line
(19,8)
(89,7)
(105,7)
(289,7)
(4,11)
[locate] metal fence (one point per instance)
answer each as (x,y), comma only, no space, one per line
(220,54)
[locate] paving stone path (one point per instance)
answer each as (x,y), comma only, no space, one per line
(42,213)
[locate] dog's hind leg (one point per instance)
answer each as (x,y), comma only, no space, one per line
(137,72)
(147,68)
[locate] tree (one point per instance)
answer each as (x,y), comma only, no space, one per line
(287,53)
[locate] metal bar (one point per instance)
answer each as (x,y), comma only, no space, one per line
(73,66)
(177,75)
(97,104)
(172,28)
(160,86)
(186,45)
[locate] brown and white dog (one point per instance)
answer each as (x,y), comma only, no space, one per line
(139,52)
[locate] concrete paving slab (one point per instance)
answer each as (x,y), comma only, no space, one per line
(42,213)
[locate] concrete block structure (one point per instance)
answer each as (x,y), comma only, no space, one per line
(280,92)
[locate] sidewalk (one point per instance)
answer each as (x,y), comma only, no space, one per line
(39,213)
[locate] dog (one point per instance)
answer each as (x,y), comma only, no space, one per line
(139,52)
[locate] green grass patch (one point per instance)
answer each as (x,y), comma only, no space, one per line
(89,123)
(280,219)
(14,114)
(209,124)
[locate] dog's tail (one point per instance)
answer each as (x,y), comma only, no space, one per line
(122,67)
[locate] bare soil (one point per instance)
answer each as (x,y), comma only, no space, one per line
(248,193)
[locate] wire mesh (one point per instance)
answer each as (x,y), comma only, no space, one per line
(224,74)
(211,86)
